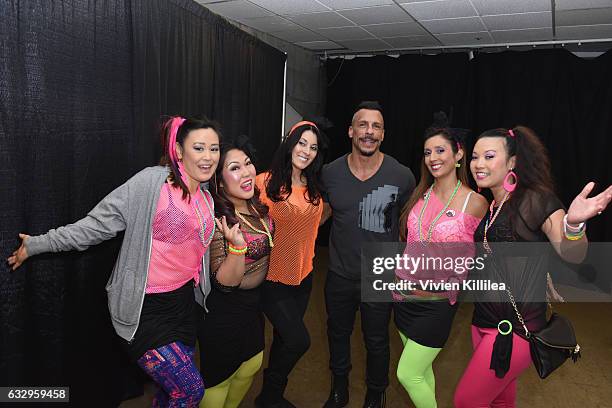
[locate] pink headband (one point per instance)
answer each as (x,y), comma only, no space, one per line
(511,133)
(175,123)
(301,123)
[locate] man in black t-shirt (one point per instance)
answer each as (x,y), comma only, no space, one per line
(366,190)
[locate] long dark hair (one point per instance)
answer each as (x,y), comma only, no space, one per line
(278,181)
(187,126)
(223,205)
(455,137)
(533,170)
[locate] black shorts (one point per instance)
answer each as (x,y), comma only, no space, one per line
(165,318)
(427,322)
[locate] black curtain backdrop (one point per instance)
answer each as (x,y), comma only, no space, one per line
(567,100)
(82,86)
(188,60)
(67,140)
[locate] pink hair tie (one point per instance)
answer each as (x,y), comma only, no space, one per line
(510,132)
(175,124)
(301,123)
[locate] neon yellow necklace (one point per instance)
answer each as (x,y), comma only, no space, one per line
(266,232)
(433,223)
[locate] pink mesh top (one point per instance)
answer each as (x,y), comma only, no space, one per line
(181,234)
(452,227)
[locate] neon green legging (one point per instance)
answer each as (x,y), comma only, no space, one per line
(229,393)
(415,373)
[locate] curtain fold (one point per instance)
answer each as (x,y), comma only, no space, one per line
(188,60)
(66,132)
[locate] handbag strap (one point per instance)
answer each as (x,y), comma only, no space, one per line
(518,314)
(549,283)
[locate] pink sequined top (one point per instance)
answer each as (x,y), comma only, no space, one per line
(182,231)
(452,227)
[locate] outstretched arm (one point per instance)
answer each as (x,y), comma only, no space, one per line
(580,211)
(103,222)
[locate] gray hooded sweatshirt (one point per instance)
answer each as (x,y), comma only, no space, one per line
(130,208)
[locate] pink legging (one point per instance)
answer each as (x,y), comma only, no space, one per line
(479,387)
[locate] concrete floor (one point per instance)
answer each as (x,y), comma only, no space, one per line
(586,384)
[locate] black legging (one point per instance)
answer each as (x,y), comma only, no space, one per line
(285,306)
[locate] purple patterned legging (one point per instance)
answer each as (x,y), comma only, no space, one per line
(178,379)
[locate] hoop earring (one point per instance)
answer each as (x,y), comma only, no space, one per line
(507,186)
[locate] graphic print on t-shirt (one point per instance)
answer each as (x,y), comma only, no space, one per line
(376,207)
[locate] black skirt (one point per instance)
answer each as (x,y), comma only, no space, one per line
(165,318)
(427,322)
(231,332)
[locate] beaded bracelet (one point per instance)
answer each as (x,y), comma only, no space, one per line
(573,233)
(237,250)
(574,237)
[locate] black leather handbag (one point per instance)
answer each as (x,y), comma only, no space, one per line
(551,345)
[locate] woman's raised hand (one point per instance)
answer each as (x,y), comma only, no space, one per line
(584,208)
(233,235)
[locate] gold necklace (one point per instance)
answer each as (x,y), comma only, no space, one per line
(266,232)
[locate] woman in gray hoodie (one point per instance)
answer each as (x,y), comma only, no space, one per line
(161,270)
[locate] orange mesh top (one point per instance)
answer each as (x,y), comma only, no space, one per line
(297,223)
